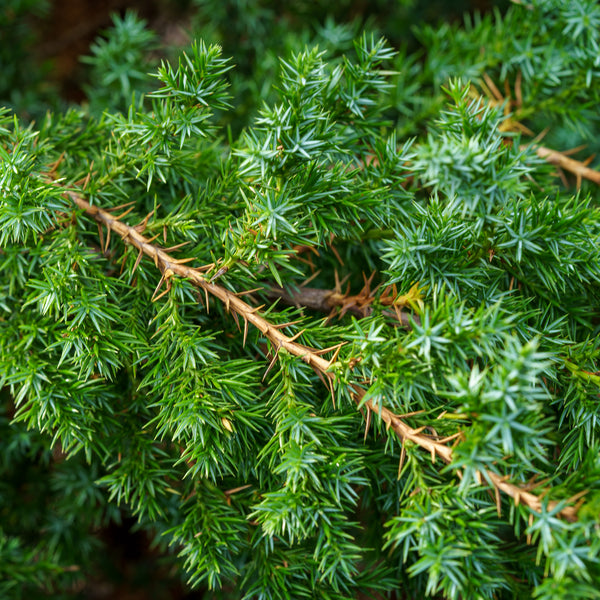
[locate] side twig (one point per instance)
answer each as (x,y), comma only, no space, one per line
(578,168)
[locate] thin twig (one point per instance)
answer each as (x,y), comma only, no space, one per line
(578,168)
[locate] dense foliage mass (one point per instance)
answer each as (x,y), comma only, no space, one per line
(324,326)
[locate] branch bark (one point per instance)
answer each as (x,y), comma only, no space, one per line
(576,167)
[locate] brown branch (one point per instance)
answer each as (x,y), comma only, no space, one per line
(437,448)
(170,266)
(560,159)
(578,168)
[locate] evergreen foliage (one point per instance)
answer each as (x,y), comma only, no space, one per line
(337,335)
